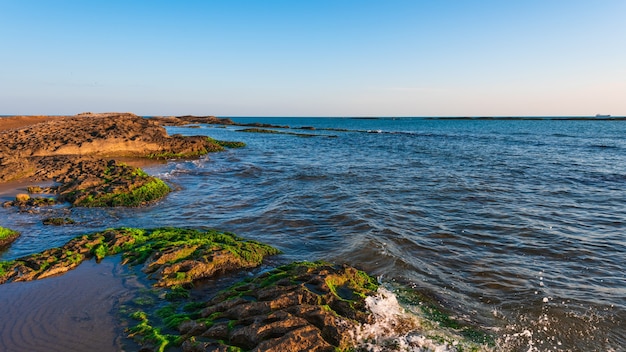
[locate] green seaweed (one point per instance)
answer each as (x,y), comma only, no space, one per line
(7,236)
(171,318)
(74,257)
(7,233)
(349,287)
(150,191)
(172,155)
(4,266)
(177,294)
(100,251)
(227,144)
(147,334)
(138,245)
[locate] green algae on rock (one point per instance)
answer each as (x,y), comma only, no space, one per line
(180,256)
(58,221)
(172,256)
(296,307)
(25,201)
(7,236)
(228,144)
(70,151)
(111,184)
(211,146)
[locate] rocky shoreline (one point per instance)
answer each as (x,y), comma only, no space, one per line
(79,153)
(310,306)
(302,306)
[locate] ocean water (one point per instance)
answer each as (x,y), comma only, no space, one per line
(517,227)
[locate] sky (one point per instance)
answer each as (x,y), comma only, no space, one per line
(314,58)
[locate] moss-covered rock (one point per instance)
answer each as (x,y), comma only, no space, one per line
(111,184)
(25,201)
(297,307)
(228,144)
(58,221)
(7,236)
(179,256)
(171,256)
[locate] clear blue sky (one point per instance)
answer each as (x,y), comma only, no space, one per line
(314,58)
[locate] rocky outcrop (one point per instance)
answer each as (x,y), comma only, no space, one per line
(302,306)
(75,151)
(190,119)
(99,183)
(171,256)
(105,135)
(7,236)
(298,307)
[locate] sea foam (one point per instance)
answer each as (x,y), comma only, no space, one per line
(395,328)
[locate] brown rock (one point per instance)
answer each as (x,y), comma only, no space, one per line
(306,338)
(43,149)
(22,198)
(288,309)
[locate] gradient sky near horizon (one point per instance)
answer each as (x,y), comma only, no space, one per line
(314,58)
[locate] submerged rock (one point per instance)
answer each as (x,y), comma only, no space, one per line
(190,119)
(24,201)
(58,221)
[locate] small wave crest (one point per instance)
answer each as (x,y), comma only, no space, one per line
(394,328)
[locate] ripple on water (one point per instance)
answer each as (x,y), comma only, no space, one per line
(489,217)
(73,312)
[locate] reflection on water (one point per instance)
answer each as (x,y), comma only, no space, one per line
(516,226)
(73,312)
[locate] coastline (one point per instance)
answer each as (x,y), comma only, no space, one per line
(334,291)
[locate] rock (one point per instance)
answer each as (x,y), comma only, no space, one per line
(7,236)
(24,201)
(189,119)
(140,245)
(58,221)
(74,151)
(293,308)
(22,198)
(34,189)
(99,183)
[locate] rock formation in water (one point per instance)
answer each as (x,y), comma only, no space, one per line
(77,151)
(170,256)
(7,236)
(297,307)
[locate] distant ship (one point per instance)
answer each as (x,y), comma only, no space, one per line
(601,115)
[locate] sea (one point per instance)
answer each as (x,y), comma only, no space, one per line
(514,226)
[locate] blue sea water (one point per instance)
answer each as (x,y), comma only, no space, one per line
(515,226)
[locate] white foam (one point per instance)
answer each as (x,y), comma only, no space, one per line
(395,329)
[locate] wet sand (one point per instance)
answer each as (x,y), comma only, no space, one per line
(72,312)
